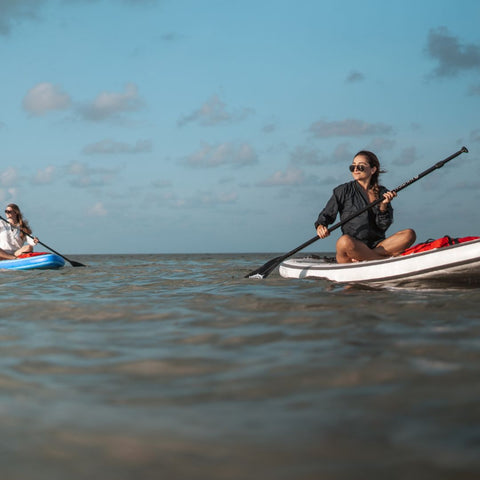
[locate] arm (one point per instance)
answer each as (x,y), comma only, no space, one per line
(329,213)
(384,211)
(27,247)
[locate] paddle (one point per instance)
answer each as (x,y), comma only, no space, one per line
(73,263)
(268,267)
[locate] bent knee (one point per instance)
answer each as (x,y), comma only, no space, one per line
(344,242)
(410,234)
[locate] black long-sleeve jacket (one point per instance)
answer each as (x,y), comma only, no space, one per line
(368,227)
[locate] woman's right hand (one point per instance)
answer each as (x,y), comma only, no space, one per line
(322,231)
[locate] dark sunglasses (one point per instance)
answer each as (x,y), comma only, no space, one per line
(360,168)
(9,211)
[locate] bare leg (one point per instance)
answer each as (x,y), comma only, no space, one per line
(6,256)
(397,243)
(350,249)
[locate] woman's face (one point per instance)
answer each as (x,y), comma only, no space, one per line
(361,168)
(11,215)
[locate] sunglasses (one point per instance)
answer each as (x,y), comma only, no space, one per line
(360,168)
(9,211)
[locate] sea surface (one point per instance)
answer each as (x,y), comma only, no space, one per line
(173,367)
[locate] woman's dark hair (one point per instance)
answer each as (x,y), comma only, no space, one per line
(373,162)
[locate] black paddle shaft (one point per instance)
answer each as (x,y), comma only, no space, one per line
(73,263)
(268,267)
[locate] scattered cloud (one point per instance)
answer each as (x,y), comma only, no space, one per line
(475,135)
(307,156)
(200,199)
(355,77)
(291,176)
(14,11)
(343,153)
(224,154)
(210,199)
(45,97)
(8,194)
(408,156)
(170,37)
(380,144)
(141,2)
(452,55)
(97,210)
(9,177)
(348,128)
(112,105)
(214,112)
(269,128)
(45,176)
(161,183)
(83,176)
(474,89)
(111,147)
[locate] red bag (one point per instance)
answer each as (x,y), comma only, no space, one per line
(438,243)
(31,254)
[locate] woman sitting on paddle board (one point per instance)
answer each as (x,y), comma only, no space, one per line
(364,236)
(12,240)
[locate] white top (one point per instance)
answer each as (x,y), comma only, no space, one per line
(10,239)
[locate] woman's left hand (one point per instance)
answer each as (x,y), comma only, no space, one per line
(387,198)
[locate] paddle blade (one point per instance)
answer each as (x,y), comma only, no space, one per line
(266,269)
(73,263)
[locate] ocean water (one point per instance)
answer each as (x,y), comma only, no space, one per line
(176,367)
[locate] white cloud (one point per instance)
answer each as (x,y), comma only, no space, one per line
(45,97)
(214,112)
(84,176)
(111,105)
(8,194)
(224,154)
(45,176)
(9,177)
(292,176)
(110,147)
(97,210)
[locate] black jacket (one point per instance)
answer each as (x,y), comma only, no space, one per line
(368,227)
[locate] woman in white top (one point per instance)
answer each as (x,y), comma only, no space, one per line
(13,241)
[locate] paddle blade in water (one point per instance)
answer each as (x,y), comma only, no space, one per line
(265,269)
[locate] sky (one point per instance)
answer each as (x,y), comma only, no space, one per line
(219,126)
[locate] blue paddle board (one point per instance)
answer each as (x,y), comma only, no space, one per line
(44,261)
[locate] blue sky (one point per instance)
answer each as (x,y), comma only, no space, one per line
(176,126)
